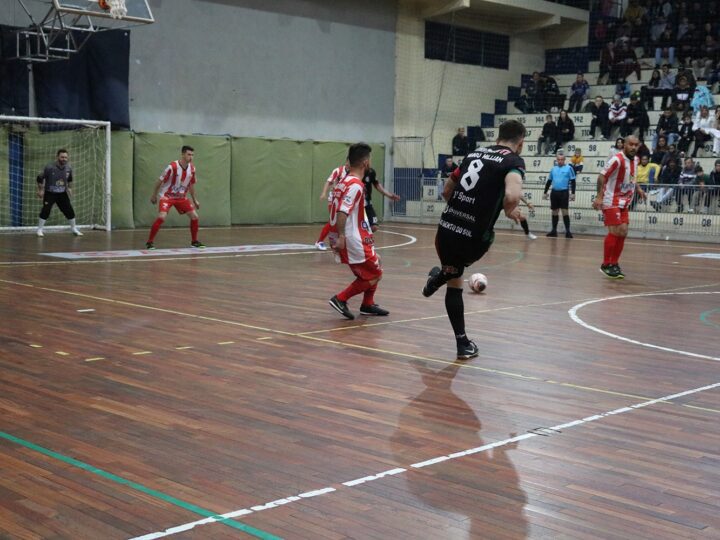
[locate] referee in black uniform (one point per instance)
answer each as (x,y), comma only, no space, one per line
(54,188)
(370,180)
(488,182)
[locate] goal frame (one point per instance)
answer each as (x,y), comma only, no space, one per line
(108,169)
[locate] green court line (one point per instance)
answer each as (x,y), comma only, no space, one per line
(139,487)
(704,317)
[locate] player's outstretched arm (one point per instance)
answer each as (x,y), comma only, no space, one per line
(385,192)
(513,192)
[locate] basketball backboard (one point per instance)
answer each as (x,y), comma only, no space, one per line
(138,11)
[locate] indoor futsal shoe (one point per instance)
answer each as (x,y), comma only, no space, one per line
(320,246)
(430,288)
(619,272)
(552,234)
(341,307)
(610,271)
(149,245)
(197,244)
(568,234)
(40,233)
(373,310)
(76,232)
(465,352)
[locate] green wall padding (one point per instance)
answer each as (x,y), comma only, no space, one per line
(5,220)
(122,180)
(153,152)
(271,181)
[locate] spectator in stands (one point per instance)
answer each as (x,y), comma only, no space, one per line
(578,92)
(715,132)
(667,84)
(616,148)
(714,76)
(665,47)
(565,130)
(576,162)
(682,94)
(647,174)
(548,136)
(703,125)
(686,180)
(668,177)
(703,192)
(712,188)
(658,25)
(554,101)
(617,113)
(687,45)
(672,153)
(623,88)
(460,143)
(661,148)
(599,110)
(706,58)
(667,127)
(607,62)
(626,62)
(523,104)
(534,92)
(637,118)
(448,167)
(683,27)
(650,90)
(701,98)
(685,133)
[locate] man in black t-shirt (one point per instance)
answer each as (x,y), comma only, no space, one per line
(54,187)
(488,182)
(370,180)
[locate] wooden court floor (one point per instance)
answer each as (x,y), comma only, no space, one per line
(218,396)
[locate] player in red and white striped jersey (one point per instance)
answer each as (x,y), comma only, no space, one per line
(352,238)
(335,176)
(616,188)
(173,186)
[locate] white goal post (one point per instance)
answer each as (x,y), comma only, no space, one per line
(28,144)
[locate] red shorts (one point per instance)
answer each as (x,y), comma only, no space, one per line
(616,216)
(368,270)
(183,206)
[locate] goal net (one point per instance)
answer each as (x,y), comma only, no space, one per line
(29,144)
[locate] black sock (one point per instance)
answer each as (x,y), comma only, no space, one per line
(566,221)
(555,220)
(524,225)
(456,313)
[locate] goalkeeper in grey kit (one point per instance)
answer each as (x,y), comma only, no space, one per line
(54,187)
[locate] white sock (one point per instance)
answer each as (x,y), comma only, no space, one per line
(72,223)
(41,223)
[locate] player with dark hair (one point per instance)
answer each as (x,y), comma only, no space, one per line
(616,187)
(351,237)
(173,185)
(54,188)
(370,180)
(488,182)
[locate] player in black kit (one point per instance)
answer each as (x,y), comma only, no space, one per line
(488,182)
(370,180)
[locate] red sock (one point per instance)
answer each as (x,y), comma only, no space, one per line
(609,249)
(194,226)
(356,287)
(325,231)
(619,245)
(369,297)
(155,228)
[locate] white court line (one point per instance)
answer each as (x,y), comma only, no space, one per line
(573,315)
(440,459)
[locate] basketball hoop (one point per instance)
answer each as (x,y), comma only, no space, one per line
(117,8)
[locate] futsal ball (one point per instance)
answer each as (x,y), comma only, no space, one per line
(104,4)
(478,282)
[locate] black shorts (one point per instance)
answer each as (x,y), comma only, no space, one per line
(371,215)
(559,199)
(61,199)
(457,253)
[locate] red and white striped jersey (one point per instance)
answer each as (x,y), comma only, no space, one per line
(349,198)
(338,174)
(620,174)
(177,180)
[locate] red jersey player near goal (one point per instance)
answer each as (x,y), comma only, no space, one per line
(352,238)
(173,186)
(616,189)
(338,174)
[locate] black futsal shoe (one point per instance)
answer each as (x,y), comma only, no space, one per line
(467,351)
(341,307)
(609,271)
(430,288)
(619,272)
(149,245)
(373,310)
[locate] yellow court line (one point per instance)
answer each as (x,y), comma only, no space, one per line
(35,346)
(183,348)
(62,353)
(225,342)
(341,343)
(138,353)
(95,359)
